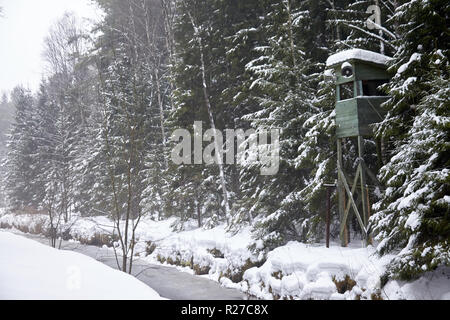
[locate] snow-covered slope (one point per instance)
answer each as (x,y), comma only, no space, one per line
(30,270)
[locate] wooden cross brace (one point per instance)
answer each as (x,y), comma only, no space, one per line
(351,201)
(344,188)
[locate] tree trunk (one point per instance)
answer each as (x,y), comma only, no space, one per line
(219,155)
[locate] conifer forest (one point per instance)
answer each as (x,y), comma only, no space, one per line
(101,137)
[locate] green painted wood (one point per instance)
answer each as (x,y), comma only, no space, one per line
(347,118)
(338,93)
(360,88)
(367,71)
(362,70)
(341,80)
(354,117)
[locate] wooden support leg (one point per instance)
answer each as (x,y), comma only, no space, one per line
(369,238)
(364,195)
(346,229)
(328,218)
(341,193)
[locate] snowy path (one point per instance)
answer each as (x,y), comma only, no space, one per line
(167,281)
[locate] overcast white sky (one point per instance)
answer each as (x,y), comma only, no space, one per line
(23,26)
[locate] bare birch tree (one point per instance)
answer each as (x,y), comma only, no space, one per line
(218,148)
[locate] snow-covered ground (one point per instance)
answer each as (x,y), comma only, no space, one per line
(293,271)
(296,270)
(30,270)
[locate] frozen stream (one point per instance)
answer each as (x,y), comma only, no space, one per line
(167,281)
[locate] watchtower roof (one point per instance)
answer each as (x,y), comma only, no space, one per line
(358,54)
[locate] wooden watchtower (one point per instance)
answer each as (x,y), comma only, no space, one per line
(359,73)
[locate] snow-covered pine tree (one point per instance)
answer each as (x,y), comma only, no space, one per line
(412,216)
(282,86)
(86,161)
(318,153)
(62,112)
(204,80)
(156,56)
(130,118)
(318,148)
(6,119)
(22,187)
(365,24)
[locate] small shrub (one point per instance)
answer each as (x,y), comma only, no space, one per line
(160,258)
(376,296)
(4,225)
(99,240)
(188,264)
(199,270)
(275,296)
(96,240)
(66,235)
(39,228)
(178,262)
(24,229)
(169,260)
(237,277)
(277,275)
(345,285)
(150,248)
(216,253)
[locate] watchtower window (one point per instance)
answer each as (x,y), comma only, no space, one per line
(346,91)
(371,87)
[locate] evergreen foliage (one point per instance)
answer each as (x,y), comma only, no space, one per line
(412,215)
(95,138)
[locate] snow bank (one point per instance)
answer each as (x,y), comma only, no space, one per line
(78,227)
(33,223)
(30,270)
(86,228)
(214,251)
(432,286)
(358,54)
(300,271)
(296,270)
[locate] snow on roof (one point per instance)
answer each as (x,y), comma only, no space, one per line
(358,54)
